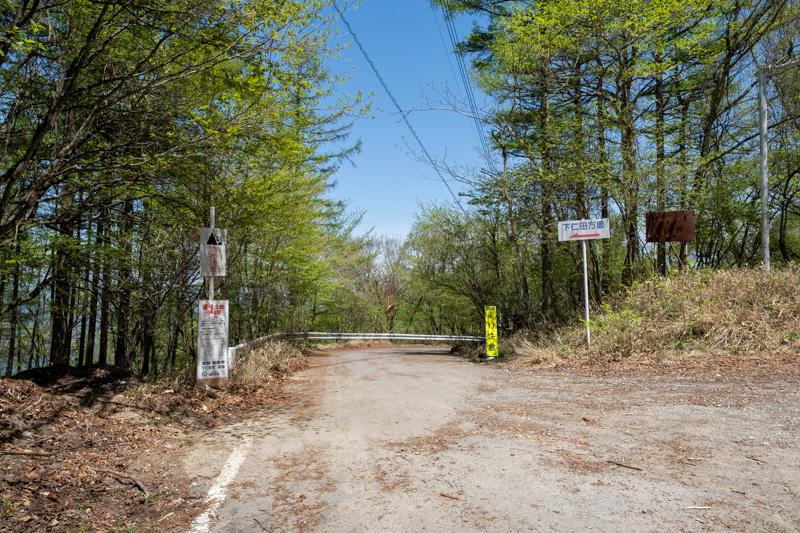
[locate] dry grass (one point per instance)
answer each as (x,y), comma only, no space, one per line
(704,313)
(257,360)
(350,344)
(538,348)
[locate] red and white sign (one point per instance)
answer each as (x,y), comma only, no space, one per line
(212,252)
(582,230)
(212,340)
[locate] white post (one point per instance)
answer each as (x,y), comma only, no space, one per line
(586,292)
(763,72)
(211,279)
(762,129)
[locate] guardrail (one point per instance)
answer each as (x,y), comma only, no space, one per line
(318,336)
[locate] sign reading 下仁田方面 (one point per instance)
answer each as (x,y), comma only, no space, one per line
(581,230)
(584,230)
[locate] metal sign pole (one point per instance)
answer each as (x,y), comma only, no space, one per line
(586,293)
(211,278)
(213,355)
(763,147)
(583,230)
(763,72)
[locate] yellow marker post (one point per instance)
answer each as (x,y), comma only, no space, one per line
(491,332)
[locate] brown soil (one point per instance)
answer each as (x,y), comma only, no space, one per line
(95,448)
(752,365)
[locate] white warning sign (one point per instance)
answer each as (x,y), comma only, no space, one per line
(212,252)
(212,340)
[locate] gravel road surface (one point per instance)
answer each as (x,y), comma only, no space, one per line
(415,439)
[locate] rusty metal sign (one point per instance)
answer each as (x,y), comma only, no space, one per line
(669,226)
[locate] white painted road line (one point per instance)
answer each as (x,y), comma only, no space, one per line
(216,494)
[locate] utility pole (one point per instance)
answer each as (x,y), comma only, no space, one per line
(763,72)
(211,278)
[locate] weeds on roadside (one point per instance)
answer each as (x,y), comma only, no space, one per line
(254,362)
(709,313)
(158,495)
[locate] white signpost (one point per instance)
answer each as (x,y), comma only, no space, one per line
(212,342)
(212,252)
(212,315)
(584,230)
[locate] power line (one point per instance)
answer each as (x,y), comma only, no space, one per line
(447,14)
(399,109)
(447,47)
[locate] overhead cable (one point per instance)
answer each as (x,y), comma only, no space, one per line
(399,109)
(466,82)
(476,125)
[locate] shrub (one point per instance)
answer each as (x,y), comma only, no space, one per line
(256,361)
(724,312)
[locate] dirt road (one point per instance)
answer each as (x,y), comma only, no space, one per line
(414,439)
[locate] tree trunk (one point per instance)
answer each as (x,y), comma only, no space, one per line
(148,329)
(172,348)
(105,295)
(547,202)
(122,357)
(60,306)
(661,193)
(94,286)
(630,178)
(147,348)
(605,285)
(520,258)
(32,354)
(684,159)
(12,336)
(82,341)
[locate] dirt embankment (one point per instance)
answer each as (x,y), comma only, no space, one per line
(94,449)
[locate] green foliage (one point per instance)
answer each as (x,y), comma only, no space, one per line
(158,495)
(458,266)
(166,111)
(617,108)
(125,123)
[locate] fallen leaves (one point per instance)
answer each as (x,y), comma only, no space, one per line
(87,447)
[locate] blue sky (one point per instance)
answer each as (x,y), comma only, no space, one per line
(409,44)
